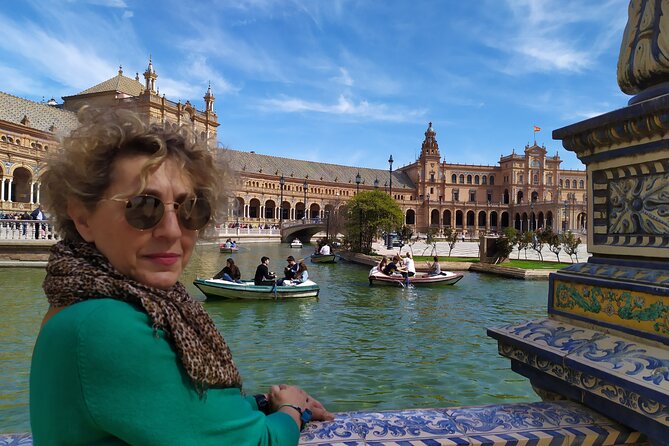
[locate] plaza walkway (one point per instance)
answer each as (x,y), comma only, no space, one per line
(471,249)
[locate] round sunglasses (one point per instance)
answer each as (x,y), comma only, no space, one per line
(146,211)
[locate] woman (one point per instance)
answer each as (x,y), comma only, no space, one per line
(382,264)
(302,275)
(125,355)
(435,268)
(409,265)
(230,272)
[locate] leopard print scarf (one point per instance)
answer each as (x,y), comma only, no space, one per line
(77,271)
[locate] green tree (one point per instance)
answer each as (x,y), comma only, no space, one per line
(537,243)
(504,244)
(430,240)
(524,240)
(570,244)
(370,212)
(451,237)
(554,242)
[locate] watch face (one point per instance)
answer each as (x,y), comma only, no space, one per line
(306,416)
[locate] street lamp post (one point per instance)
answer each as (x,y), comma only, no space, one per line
(327,226)
(429,222)
(566,216)
(305,185)
(282,181)
(390,171)
(534,223)
(357,191)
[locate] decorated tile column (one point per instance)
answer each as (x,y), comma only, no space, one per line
(605,342)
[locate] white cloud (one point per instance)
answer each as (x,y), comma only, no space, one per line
(555,35)
(128,14)
(344,107)
(72,65)
(344,78)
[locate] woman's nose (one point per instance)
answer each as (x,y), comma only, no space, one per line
(169,224)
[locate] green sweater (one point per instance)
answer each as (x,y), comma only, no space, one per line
(100,376)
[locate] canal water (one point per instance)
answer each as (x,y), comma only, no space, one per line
(355,348)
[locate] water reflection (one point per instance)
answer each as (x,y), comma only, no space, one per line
(356,347)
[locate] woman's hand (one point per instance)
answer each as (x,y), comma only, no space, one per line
(286,394)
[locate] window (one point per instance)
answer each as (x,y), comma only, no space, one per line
(492,180)
(520,178)
(462,179)
(469,179)
(472,195)
(454,178)
(456,195)
(581,184)
(484,180)
(431,178)
(489,197)
(536,179)
(476,179)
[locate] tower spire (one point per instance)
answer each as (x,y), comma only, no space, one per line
(150,77)
(209,100)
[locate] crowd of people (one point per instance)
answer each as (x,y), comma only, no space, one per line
(405,266)
(28,223)
(251,226)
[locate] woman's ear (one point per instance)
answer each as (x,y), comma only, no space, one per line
(80,217)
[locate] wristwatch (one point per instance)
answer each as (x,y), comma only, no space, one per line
(305,414)
(263,403)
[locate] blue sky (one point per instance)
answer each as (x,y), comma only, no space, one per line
(339,81)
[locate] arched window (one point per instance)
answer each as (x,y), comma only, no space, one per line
(581,184)
(462,179)
(520,178)
(484,179)
(492,180)
(469,179)
(476,179)
(454,178)
(566,184)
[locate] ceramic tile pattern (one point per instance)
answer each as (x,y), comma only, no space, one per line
(524,424)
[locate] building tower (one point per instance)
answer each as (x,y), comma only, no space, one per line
(150,77)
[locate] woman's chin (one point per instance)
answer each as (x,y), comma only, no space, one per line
(161,280)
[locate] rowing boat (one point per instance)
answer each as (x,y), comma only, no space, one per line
(422,279)
(324,258)
(223,289)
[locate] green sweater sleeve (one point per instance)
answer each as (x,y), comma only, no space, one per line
(134,388)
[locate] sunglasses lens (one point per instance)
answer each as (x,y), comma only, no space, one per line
(194,213)
(144,211)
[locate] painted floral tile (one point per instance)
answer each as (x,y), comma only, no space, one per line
(16,440)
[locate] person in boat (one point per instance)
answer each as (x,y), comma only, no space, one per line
(228,243)
(435,268)
(391,266)
(409,265)
(325,250)
(125,354)
(382,264)
(263,276)
(230,272)
(233,244)
(290,269)
(302,275)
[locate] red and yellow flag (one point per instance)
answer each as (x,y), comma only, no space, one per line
(537,129)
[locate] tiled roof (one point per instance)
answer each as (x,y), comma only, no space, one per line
(40,116)
(250,162)
(118,83)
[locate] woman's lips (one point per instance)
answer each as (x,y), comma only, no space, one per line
(164,258)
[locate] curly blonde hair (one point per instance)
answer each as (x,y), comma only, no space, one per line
(82,168)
